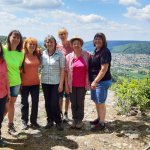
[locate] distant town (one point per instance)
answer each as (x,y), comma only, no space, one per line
(138,61)
(137,65)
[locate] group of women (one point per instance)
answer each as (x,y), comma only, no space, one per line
(66,70)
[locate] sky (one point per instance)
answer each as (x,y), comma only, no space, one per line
(117,19)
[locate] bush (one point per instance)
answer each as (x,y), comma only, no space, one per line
(134,93)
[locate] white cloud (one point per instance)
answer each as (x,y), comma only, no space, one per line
(95,0)
(129,2)
(69,17)
(7,16)
(33,4)
(42,3)
(91,18)
(139,14)
(10,2)
(39,23)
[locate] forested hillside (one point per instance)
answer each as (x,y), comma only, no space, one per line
(125,47)
(89,45)
(133,48)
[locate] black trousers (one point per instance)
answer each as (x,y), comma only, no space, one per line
(51,96)
(77,98)
(2,110)
(25,91)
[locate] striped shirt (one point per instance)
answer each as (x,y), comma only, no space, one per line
(51,67)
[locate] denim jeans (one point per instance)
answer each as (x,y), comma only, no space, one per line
(14,90)
(99,95)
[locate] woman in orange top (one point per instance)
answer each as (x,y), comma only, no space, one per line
(30,83)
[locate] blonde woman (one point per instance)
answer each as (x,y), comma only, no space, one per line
(65,48)
(30,83)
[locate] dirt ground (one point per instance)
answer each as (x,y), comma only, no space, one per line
(121,133)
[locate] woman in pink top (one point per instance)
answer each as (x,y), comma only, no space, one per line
(30,83)
(4,90)
(77,80)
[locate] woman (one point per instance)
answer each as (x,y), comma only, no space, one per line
(4,91)
(65,48)
(30,83)
(100,79)
(14,58)
(52,78)
(77,80)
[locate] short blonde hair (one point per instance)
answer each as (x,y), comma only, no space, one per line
(62,30)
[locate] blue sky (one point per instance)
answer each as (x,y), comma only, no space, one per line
(117,19)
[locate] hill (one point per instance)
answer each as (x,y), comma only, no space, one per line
(116,46)
(89,45)
(133,48)
(127,47)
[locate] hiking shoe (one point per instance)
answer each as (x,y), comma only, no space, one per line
(79,124)
(65,118)
(2,143)
(59,126)
(11,129)
(73,125)
(24,126)
(35,126)
(98,127)
(94,122)
(49,125)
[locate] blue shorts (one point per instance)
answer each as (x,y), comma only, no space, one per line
(99,95)
(14,90)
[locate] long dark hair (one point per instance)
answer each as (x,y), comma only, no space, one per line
(103,37)
(1,52)
(17,33)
